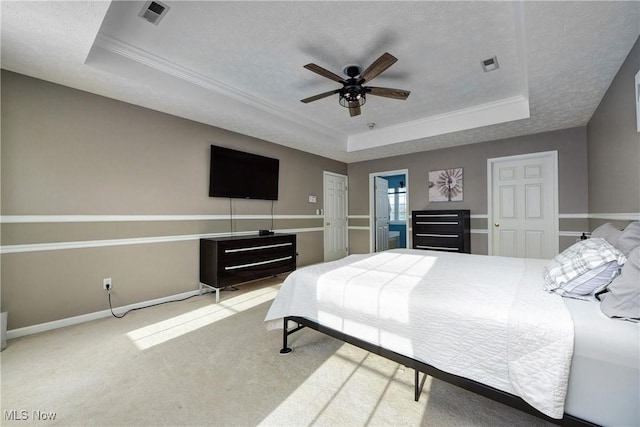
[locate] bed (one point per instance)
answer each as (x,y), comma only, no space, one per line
(483,323)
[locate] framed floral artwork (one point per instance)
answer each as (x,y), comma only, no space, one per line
(445,185)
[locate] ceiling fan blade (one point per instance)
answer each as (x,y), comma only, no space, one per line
(388,92)
(354,109)
(324,73)
(385,61)
(319,96)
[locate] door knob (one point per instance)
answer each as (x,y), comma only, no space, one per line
(497,224)
(328,223)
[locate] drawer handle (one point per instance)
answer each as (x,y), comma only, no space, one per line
(253,264)
(437,223)
(437,247)
(256,248)
(454,236)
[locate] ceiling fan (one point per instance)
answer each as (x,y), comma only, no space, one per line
(353,94)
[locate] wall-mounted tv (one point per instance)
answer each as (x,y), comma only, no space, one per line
(241,175)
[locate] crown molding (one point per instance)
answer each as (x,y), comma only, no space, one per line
(148,59)
(491,113)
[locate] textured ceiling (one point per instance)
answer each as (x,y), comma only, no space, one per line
(239,65)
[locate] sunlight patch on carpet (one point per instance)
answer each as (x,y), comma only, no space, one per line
(352,388)
(174,327)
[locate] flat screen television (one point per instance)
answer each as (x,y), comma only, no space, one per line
(239,175)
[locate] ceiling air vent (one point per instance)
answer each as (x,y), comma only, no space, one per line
(490,64)
(153,11)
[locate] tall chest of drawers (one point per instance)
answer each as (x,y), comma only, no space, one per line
(442,230)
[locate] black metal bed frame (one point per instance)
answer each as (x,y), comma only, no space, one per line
(421,367)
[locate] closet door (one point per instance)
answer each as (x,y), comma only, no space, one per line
(335,217)
(523,217)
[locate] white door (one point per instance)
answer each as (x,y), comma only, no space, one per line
(335,216)
(382,214)
(523,205)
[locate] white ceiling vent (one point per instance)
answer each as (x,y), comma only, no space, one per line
(490,64)
(153,11)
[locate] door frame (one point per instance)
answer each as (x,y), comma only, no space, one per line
(381,243)
(346,210)
(372,205)
(553,155)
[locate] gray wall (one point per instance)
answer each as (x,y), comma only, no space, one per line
(72,153)
(571,145)
(614,147)
(599,172)
(67,152)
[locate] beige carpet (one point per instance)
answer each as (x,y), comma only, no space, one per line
(200,363)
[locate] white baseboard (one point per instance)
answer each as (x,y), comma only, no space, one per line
(48,326)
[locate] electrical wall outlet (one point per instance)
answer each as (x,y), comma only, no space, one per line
(106,284)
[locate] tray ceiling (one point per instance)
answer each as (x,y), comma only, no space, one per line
(238,65)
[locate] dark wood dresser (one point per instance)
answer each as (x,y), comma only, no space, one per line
(226,261)
(442,230)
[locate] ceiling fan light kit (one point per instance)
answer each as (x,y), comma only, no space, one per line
(353,93)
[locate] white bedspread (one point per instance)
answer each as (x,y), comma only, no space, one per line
(483,318)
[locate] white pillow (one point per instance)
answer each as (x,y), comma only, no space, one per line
(622,299)
(629,238)
(596,258)
(587,285)
(608,232)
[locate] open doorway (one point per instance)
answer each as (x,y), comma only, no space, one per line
(389,211)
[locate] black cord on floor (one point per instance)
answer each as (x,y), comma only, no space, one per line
(146,306)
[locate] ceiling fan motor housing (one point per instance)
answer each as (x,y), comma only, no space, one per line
(352,70)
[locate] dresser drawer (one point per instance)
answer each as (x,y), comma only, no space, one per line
(438,216)
(248,271)
(236,256)
(249,244)
(437,227)
(449,242)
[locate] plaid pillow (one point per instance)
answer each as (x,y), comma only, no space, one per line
(578,260)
